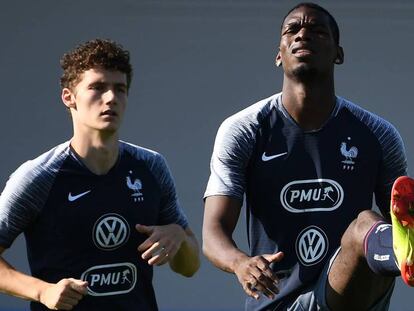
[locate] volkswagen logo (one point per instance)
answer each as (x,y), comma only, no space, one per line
(110,231)
(311,245)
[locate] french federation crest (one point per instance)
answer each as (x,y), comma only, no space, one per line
(136,186)
(350,153)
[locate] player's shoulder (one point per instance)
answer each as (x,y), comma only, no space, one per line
(44,166)
(251,116)
(46,162)
(141,153)
(375,123)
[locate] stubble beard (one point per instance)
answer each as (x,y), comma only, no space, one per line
(304,73)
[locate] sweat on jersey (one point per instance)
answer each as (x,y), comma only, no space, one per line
(303,188)
(81,225)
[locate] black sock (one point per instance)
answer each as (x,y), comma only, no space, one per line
(379,251)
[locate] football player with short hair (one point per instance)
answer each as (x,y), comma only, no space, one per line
(309,163)
(97,213)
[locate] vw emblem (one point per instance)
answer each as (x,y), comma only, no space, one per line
(311,245)
(110,231)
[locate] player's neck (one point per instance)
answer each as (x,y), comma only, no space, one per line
(99,152)
(309,106)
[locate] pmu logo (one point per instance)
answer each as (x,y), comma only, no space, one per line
(311,245)
(110,231)
(113,279)
(312,195)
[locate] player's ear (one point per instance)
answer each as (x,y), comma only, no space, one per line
(339,55)
(278,60)
(68,98)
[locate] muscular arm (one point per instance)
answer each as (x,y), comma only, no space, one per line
(221,214)
(61,296)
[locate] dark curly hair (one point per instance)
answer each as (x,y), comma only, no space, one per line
(106,54)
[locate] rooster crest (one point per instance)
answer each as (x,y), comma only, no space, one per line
(136,186)
(349,154)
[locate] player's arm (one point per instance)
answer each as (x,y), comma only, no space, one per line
(221,214)
(20,202)
(187,260)
(173,244)
(172,241)
(61,296)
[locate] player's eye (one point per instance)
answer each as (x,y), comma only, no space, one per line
(293,28)
(121,89)
(97,87)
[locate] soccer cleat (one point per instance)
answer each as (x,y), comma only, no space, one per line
(402,216)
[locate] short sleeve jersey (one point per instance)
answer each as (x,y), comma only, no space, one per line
(81,225)
(303,188)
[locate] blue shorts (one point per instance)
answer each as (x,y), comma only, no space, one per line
(315,298)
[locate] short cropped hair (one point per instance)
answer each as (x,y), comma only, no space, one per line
(332,22)
(97,53)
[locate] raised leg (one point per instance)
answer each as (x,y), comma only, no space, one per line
(352,285)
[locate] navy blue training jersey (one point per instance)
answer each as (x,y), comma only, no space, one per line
(303,188)
(81,225)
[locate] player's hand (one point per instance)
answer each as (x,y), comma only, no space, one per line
(162,243)
(64,295)
(256,276)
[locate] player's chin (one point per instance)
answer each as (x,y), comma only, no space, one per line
(304,71)
(110,128)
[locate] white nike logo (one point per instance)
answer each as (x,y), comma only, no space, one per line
(72,198)
(268,158)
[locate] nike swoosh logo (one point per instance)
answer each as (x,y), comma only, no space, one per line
(266,158)
(72,198)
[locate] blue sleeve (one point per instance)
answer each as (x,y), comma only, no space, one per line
(170,210)
(393,165)
(233,147)
(26,193)
(393,159)
(20,202)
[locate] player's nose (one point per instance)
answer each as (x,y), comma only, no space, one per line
(109,96)
(303,35)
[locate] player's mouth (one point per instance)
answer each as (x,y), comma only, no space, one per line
(109,113)
(302,50)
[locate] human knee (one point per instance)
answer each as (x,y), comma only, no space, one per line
(355,233)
